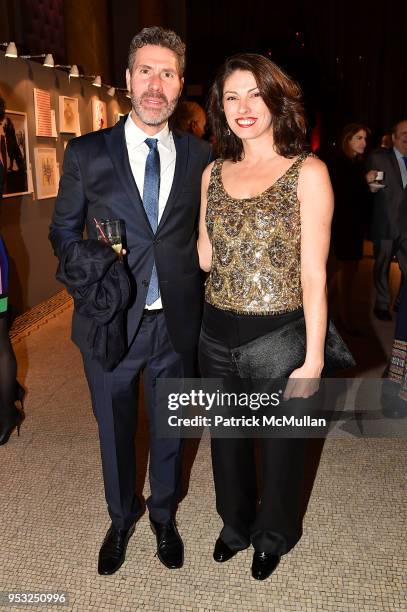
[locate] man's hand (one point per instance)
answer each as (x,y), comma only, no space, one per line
(370,178)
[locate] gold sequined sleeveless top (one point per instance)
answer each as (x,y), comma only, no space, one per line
(255,246)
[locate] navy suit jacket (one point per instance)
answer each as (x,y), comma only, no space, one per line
(97,182)
(387,202)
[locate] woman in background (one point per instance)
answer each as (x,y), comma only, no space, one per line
(264,238)
(10,390)
(351,217)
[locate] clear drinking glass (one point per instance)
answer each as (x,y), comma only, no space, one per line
(110,231)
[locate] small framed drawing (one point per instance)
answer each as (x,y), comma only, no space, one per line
(14,153)
(43,116)
(68,115)
(99,115)
(46,172)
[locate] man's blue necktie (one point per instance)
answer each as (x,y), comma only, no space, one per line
(405,161)
(151,192)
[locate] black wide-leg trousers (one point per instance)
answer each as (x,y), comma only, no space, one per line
(115,402)
(269,519)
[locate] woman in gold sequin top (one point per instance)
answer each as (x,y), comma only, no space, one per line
(264,238)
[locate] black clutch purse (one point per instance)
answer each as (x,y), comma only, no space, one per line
(278,353)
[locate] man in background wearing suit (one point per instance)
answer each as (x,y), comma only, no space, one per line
(385,227)
(148,176)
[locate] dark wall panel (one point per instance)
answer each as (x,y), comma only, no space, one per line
(349,56)
(44,27)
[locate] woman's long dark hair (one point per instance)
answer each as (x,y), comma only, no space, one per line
(280,93)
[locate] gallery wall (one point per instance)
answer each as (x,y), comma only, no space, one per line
(24,219)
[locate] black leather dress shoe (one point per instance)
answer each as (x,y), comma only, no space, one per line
(382,314)
(113,550)
(264,564)
(222,552)
(170,548)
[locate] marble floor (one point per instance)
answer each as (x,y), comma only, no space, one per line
(352,556)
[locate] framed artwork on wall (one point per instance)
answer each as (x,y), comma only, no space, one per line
(99,115)
(14,153)
(42,108)
(68,115)
(46,172)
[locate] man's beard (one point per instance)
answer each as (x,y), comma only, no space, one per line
(151,116)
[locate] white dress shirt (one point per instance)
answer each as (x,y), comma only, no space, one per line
(138,151)
(402,165)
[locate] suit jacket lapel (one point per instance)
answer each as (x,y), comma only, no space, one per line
(181,162)
(396,167)
(117,148)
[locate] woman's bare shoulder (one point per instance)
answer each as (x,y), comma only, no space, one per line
(313,166)
(313,174)
(314,184)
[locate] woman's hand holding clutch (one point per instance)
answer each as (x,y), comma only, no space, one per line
(302,382)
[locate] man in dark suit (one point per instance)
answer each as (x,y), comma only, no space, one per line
(385,227)
(148,176)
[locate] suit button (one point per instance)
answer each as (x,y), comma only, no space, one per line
(157,241)
(144,283)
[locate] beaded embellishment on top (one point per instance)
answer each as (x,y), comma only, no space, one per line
(255,246)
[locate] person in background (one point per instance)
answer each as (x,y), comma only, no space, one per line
(386,141)
(395,399)
(395,384)
(190,117)
(11,391)
(350,217)
(264,238)
(385,225)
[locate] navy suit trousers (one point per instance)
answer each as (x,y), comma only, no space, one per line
(115,402)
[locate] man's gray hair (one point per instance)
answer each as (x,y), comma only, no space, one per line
(162,38)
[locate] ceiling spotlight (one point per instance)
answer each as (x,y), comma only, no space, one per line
(74,72)
(111,91)
(97,82)
(11,50)
(49,61)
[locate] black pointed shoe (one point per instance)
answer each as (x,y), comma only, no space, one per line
(264,564)
(113,550)
(13,422)
(170,548)
(222,552)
